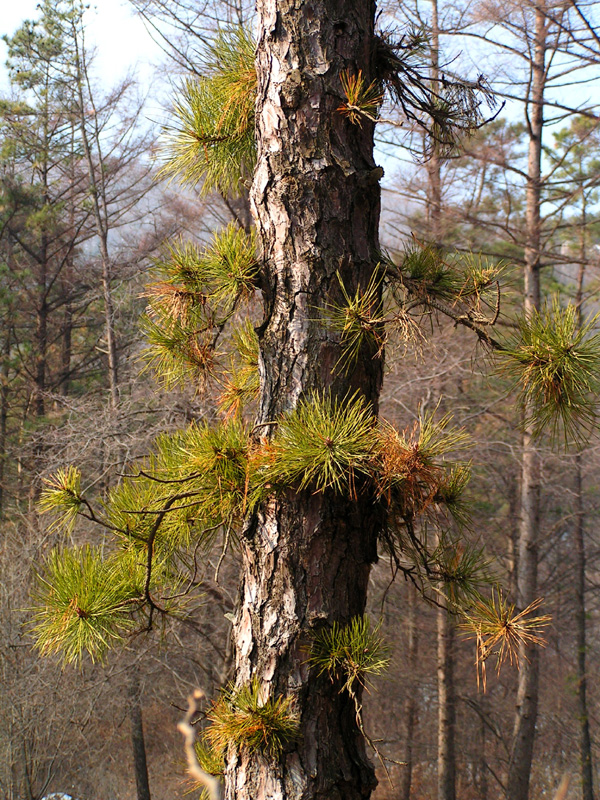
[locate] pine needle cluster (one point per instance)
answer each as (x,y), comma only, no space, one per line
(410,469)
(322,444)
(61,496)
(241,384)
(463,571)
(430,273)
(554,361)
(212,143)
(446,112)
(350,653)
(500,630)
(359,321)
(361,101)
(84,602)
(451,493)
(195,483)
(245,718)
(198,291)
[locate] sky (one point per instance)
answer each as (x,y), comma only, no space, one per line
(122,40)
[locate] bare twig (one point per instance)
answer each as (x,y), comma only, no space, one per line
(563,788)
(210,783)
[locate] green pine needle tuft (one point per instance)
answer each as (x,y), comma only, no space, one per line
(323,444)
(359,320)
(438,438)
(179,353)
(194,485)
(210,760)
(197,293)
(463,570)
(242,383)
(219,457)
(430,274)
(362,101)
(62,496)
(554,362)
(83,603)
(246,718)
(213,143)
(450,493)
(230,265)
(350,653)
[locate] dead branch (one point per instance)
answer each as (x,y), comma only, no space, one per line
(209,782)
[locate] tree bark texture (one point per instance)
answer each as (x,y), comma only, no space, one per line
(306,556)
(519,772)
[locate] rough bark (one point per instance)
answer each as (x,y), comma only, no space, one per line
(528,687)
(307,557)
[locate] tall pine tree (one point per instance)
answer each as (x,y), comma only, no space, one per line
(312,487)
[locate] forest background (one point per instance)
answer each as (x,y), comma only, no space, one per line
(81,229)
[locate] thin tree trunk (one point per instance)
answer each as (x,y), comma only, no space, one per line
(446,706)
(585,743)
(137,736)
(306,557)
(410,699)
(41,340)
(519,772)
(513,535)
(98,194)
(446,731)
(481,771)
(4,406)
(67,281)
(66,348)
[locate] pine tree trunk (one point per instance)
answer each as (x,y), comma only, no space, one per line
(519,772)
(307,557)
